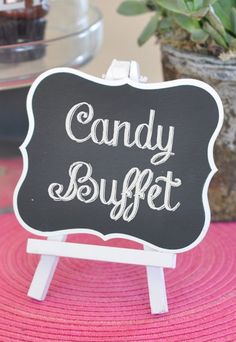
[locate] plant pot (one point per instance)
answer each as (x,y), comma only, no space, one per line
(222,77)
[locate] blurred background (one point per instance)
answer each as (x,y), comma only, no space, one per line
(120,42)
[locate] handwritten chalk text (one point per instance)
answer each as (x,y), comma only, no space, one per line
(85,113)
(137,185)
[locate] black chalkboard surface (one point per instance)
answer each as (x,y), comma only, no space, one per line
(119,159)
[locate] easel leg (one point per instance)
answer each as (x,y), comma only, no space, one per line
(155,275)
(44,273)
(156,288)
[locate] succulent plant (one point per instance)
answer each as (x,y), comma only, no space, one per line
(207,25)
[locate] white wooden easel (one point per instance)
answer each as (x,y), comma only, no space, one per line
(55,247)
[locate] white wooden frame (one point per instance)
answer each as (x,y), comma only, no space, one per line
(55,246)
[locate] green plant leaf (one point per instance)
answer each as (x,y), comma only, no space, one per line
(195,5)
(233,16)
(190,5)
(192,26)
(199,36)
(132,7)
(215,35)
(176,6)
(187,23)
(198,3)
(149,30)
(231,41)
(165,24)
(232,44)
(223,11)
(200,13)
(190,8)
(196,8)
(209,2)
(215,22)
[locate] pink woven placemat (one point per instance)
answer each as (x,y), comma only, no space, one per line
(95,301)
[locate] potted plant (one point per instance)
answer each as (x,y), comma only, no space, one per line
(198,40)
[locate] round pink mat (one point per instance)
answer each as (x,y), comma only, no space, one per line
(97,301)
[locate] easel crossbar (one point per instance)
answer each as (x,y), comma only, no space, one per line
(101,253)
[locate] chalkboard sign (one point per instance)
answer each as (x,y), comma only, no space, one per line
(119,159)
